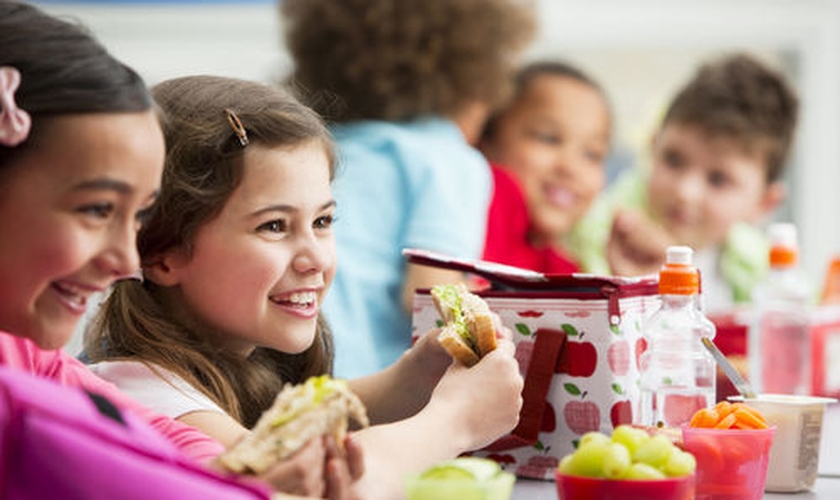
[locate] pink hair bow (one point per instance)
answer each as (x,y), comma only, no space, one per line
(14,122)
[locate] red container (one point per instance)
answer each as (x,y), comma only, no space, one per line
(731,464)
(589,488)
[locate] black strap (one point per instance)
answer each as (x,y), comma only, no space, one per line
(106,407)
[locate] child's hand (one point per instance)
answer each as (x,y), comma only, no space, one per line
(483,402)
(318,470)
(637,244)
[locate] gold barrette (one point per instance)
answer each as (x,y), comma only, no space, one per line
(237,127)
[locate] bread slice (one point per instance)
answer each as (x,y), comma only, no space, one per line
(456,346)
(320,406)
(469,332)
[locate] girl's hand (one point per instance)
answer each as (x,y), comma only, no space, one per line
(343,470)
(319,470)
(482,402)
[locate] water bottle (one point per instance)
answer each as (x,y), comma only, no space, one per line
(677,373)
(779,341)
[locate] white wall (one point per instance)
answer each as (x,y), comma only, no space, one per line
(641,50)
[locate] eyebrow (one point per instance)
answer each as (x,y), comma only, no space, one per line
(289,208)
(103,183)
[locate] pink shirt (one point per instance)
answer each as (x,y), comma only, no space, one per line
(22,354)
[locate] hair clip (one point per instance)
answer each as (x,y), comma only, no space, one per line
(15,123)
(237,127)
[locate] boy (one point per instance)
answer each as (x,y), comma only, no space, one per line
(717,164)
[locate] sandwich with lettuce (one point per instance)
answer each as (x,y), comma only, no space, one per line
(468,332)
(320,406)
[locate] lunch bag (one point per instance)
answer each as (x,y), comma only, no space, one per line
(59,442)
(578,338)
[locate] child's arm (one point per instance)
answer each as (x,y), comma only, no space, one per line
(469,408)
(636,245)
(404,388)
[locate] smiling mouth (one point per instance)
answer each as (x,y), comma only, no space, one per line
(560,197)
(302,300)
(73,296)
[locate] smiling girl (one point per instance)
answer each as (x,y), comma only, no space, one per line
(237,260)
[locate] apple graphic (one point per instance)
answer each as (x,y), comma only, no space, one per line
(524,351)
(641,346)
(621,413)
(581,416)
(618,356)
(539,466)
(578,359)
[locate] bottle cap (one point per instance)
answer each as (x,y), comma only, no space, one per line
(784,250)
(678,276)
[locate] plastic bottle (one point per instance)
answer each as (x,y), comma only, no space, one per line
(677,373)
(831,287)
(779,343)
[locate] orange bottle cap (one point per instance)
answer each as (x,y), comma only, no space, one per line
(781,256)
(678,276)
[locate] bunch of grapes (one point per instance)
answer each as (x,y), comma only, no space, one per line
(631,453)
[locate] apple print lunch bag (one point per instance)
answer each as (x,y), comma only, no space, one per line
(578,338)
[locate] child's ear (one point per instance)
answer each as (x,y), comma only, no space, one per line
(773,196)
(166,270)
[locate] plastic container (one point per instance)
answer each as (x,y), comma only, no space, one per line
(795,455)
(731,464)
(588,488)
(779,343)
(677,373)
(466,478)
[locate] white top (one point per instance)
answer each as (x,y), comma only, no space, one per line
(160,390)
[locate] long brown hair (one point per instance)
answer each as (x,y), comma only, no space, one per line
(204,165)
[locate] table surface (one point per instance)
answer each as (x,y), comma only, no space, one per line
(827,486)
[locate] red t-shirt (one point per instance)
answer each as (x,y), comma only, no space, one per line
(507,231)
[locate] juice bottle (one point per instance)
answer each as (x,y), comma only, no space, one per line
(779,343)
(677,373)
(831,287)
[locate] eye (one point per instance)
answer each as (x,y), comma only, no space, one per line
(143,215)
(673,159)
(324,222)
(593,155)
(97,210)
(718,179)
(273,226)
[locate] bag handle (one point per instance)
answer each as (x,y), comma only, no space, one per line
(548,346)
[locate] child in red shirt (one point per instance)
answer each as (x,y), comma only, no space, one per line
(547,150)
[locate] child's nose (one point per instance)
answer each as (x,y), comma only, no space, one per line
(120,257)
(312,256)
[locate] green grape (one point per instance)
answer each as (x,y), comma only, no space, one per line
(643,471)
(616,461)
(630,437)
(565,464)
(588,459)
(593,437)
(654,452)
(680,463)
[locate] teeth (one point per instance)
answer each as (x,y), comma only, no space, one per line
(303,298)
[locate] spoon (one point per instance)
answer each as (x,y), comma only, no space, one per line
(740,384)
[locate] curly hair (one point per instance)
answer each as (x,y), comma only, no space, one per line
(395,60)
(738,96)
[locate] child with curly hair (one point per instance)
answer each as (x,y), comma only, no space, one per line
(407,86)
(717,164)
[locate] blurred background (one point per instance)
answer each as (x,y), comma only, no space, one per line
(640,50)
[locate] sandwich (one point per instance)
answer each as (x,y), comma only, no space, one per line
(320,406)
(468,331)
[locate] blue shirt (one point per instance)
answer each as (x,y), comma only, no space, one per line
(417,184)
